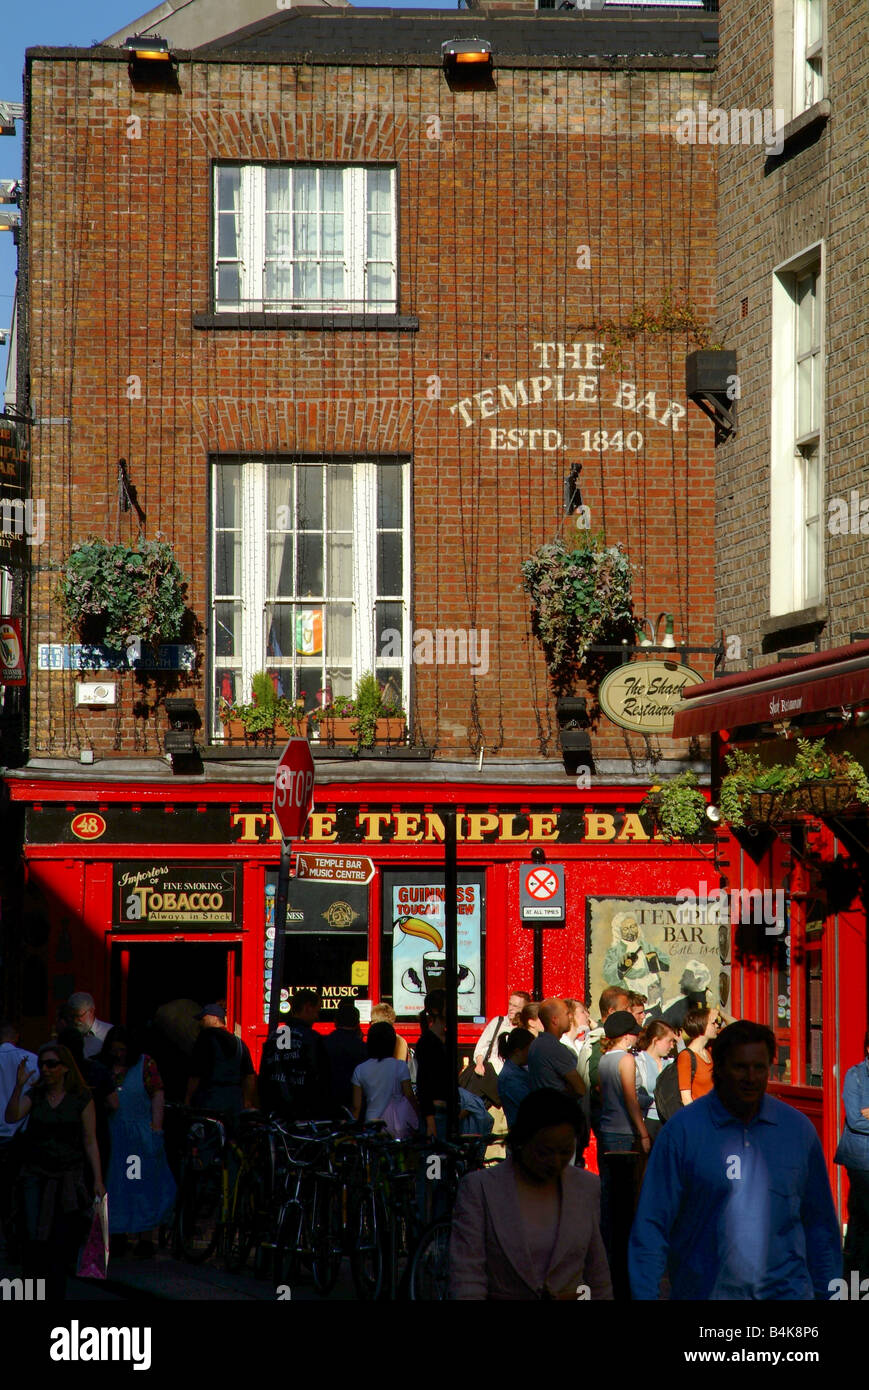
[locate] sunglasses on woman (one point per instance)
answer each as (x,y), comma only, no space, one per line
(51,1062)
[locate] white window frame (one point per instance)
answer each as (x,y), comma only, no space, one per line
(251,258)
(808,54)
(795,523)
(254,596)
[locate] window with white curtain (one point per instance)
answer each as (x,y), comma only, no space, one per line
(808,54)
(303,238)
(797,475)
(310,578)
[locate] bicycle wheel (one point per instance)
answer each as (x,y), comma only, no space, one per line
(430,1268)
(199,1214)
(287,1264)
(328,1237)
(367,1256)
(241,1231)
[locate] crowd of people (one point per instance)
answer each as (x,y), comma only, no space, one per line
(645,1158)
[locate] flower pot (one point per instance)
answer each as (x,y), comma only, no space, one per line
(828,798)
(768,808)
(390,731)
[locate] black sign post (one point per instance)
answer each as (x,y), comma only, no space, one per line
(281,898)
(541,899)
(451,970)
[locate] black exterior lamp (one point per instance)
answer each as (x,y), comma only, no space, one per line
(572,715)
(150,59)
(712,384)
(180,740)
(467,63)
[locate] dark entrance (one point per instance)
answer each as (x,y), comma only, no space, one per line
(146,974)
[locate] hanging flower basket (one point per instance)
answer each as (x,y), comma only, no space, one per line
(768,808)
(825,798)
(817,782)
(113,592)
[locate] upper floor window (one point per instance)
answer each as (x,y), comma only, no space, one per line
(808,54)
(797,474)
(304,238)
(310,578)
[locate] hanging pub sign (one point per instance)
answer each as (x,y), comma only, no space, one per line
(12,668)
(642,695)
(176,897)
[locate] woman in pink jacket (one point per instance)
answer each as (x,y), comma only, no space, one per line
(529,1228)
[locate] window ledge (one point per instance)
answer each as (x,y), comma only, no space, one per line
(802,131)
(407,323)
(785,629)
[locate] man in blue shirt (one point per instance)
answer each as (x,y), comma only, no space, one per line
(736,1202)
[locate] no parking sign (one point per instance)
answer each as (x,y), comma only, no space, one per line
(541,893)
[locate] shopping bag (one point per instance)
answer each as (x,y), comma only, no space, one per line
(94,1258)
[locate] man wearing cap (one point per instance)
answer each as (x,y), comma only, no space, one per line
(222,1075)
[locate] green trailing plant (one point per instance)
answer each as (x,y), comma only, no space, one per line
(813,765)
(680,808)
(579,598)
(266,710)
(112,592)
(670,316)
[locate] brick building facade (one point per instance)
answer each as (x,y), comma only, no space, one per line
(542,262)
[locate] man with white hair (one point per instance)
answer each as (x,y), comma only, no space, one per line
(694,985)
(81,1014)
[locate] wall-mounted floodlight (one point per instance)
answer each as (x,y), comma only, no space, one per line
(467,58)
(10,190)
(148,48)
(10,220)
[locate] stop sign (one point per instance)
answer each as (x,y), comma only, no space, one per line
(294,788)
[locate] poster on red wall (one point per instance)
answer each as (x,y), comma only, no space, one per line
(664,948)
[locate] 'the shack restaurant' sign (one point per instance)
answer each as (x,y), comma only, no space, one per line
(642,695)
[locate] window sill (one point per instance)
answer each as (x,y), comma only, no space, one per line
(802,131)
(407,323)
(793,629)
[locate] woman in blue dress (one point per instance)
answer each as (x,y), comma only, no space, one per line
(140,1184)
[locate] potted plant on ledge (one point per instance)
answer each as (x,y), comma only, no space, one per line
(370,718)
(267,719)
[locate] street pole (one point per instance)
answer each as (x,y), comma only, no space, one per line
(280,934)
(451,971)
(537,972)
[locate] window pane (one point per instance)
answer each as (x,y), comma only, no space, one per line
(304,234)
(228,187)
(805,421)
(333,282)
(805,312)
(389,562)
(392,684)
(379,238)
(379,283)
(228,284)
(813,561)
(305,281)
(379,190)
(227,685)
(388,635)
(339,565)
(305,190)
(227,562)
(278,183)
(812,475)
(815,22)
(309,513)
(227,235)
(338,624)
(339,485)
(279,630)
(227,629)
(309,569)
(332,190)
(227,491)
(280,575)
(389,510)
(332,231)
(278,233)
(278,282)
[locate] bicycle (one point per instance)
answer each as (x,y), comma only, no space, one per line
(210,1216)
(428,1278)
(299,1223)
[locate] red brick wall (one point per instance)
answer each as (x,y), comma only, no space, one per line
(491,215)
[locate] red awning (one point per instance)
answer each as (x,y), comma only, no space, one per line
(803,685)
